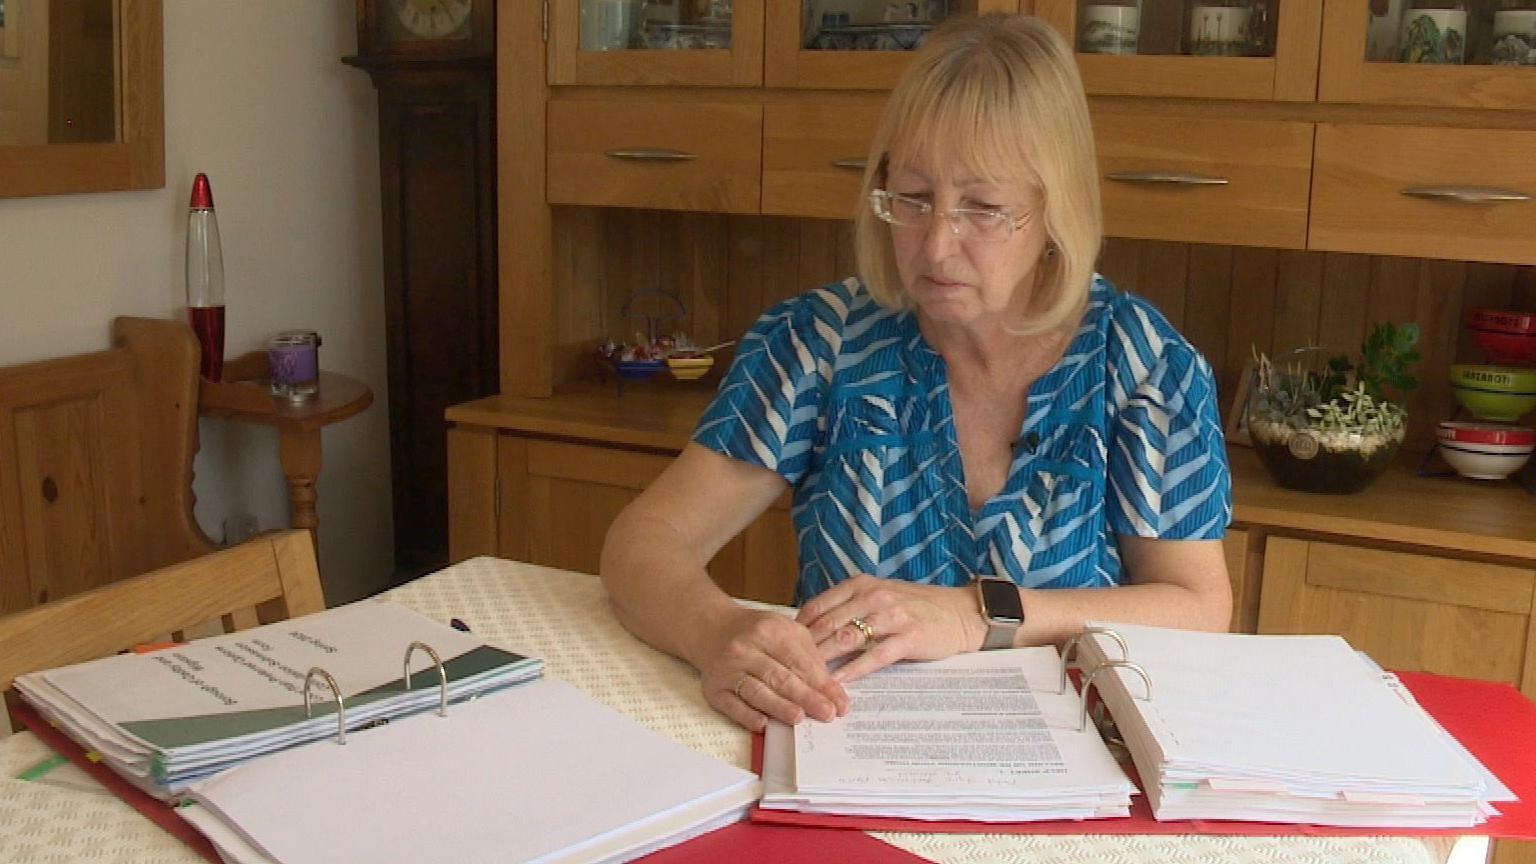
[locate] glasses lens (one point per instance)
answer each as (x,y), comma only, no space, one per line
(988,225)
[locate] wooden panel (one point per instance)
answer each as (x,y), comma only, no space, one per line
(725,140)
(1266,165)
(1245,583)
(771,561)
(471,492)
(569,519)
(1358,204)
(599,466)
(1431,614)
(1346,77)
(813,155)
(515,516)
(525,268)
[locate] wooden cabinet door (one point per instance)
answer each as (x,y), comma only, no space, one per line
(851,46)
(1408,612)
(1347,76)
(814,154)
(664,42)
(1283,66)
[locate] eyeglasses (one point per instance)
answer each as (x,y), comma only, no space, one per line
(983,224)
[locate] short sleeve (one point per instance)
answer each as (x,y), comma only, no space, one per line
(769,408)
(1168,475)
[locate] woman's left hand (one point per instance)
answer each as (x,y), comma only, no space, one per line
(901,621)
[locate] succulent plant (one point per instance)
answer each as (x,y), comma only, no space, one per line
(1341,397)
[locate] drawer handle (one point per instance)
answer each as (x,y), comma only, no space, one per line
(1465,194)
(856,164)
(651,154)
(1176,178)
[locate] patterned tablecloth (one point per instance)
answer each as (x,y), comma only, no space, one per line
(565,618)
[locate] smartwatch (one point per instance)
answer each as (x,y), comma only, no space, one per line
(1001,608)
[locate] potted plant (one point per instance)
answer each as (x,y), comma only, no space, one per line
(1327,426)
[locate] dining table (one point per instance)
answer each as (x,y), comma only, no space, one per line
(52,812)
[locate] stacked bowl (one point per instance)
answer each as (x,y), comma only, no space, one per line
(1502,391)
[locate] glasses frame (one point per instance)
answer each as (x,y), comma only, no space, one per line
(880,204)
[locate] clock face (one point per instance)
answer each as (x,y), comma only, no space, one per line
(433,19)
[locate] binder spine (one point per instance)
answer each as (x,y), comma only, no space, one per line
(341,703)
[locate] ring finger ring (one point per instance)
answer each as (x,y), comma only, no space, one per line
(863,627)
(736,688)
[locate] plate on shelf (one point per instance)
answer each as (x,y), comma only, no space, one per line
(903,36)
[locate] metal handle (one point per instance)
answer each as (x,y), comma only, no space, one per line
(1465,194)
(650,154)
(855,164)
(1176,178)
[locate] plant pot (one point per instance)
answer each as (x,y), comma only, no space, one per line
(1313,461)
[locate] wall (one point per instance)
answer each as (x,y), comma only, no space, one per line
(256,97)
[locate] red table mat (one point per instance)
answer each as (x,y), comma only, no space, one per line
(1493,721)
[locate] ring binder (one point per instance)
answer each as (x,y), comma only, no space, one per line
(442,674)
(341,703)
(1093,673)
(1072,643)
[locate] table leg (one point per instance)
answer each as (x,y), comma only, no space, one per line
(299,452)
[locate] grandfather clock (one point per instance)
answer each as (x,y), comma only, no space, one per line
(432,62)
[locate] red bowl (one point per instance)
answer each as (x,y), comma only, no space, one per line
(1502,320)
(1504,348)
(1464,432)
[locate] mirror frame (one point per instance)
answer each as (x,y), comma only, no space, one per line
(137,159)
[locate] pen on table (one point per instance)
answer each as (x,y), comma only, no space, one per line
(458,624)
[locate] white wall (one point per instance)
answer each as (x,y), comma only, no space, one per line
(255,96)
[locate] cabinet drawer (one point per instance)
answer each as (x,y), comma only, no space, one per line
(813,156)
(1408,611)
(1162,179)
(657,155)
(1361,199)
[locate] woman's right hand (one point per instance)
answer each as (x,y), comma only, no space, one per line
(760,665)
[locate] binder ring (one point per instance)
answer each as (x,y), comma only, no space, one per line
(442,675)
(341,704)
(1093,673)
(1072,643)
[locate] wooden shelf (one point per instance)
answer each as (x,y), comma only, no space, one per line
(1471,518)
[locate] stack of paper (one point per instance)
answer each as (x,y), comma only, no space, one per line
(1283,729)
(981,736)
(540,773)
(171,717)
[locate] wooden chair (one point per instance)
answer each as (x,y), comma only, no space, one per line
(270,578)
(96,464)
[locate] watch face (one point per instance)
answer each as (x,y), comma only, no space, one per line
(431,19)
(1000,600)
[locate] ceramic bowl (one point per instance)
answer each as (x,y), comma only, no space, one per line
(689,368)
(1494,379)
(1503,347)
(1503,407)
(1502,320)
(1487,435)
(635,370)
(1480,465)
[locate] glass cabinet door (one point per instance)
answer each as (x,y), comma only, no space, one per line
(1450,53)
(854,44)
(657,42)
(1212,49)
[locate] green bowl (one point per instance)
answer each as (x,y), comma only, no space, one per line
(1494,379)
(1487,405)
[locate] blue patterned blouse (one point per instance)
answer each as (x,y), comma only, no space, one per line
(846,401)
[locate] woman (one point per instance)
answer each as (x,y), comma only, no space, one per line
(977,405)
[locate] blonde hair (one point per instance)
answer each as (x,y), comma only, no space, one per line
(1002,92)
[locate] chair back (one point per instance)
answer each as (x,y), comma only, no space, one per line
(96,464)
(267,579)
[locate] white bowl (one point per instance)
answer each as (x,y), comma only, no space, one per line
(1482,465)
(1489,449)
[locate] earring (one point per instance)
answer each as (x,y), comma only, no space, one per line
(1050,249)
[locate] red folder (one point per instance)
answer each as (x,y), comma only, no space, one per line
(1493,721)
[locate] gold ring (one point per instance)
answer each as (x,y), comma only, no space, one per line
(863,627)
(736,688)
